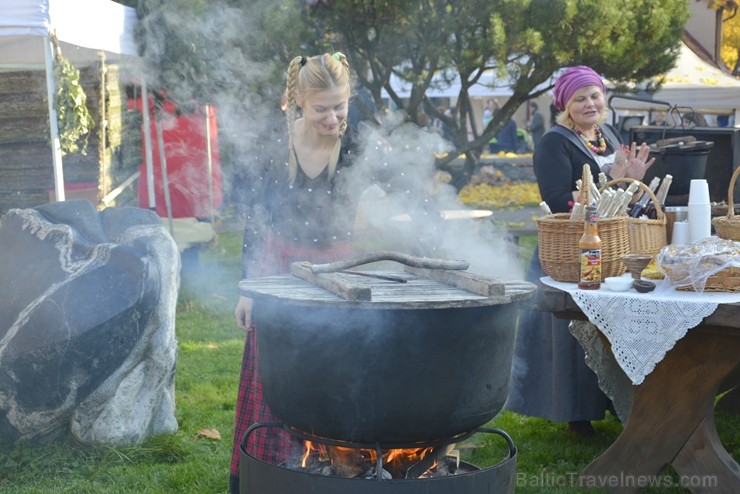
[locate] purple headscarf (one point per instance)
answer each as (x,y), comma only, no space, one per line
(573,79)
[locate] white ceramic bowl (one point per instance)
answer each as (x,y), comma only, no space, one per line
(618,283)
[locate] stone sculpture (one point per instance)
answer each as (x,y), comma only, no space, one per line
(87,324)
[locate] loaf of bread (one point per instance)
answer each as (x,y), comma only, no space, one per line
(712,263)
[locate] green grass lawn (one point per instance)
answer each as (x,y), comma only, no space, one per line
(196,458)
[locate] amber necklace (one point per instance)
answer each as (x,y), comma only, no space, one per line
(599,137)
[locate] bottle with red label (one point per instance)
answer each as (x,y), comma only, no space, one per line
(590,257)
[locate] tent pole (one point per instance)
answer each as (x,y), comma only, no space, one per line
(165,176)
(56,147)
(148,145)
(209,160)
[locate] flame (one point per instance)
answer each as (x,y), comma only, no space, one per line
(343,459)
(406,456)
(304,458)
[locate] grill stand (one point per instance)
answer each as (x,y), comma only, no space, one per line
(259,477)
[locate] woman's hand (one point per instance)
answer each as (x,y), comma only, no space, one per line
(243,313)
(631,162)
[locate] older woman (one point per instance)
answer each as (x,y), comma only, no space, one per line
(550,378)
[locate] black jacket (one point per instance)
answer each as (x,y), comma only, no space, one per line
(558,162)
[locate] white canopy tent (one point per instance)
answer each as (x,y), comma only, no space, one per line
(695,84)
(447,85)
(83,28)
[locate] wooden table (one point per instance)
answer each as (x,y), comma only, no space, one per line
(672,416)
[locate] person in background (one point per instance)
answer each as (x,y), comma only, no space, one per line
(492,107)
(553,113)
(693,119)
(550,378)
(422,119)
(299,191)
(362,108)
(442,128)
(507,139)
(536,125)
(489,111)
(658,119)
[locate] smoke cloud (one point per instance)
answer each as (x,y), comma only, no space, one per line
(405,202)
(409,203)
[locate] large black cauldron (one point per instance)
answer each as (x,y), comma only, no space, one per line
(422,361)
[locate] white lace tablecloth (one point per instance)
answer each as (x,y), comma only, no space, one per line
(642,327)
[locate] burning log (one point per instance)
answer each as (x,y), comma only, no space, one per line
(409,463)
(428,461)
(347,462)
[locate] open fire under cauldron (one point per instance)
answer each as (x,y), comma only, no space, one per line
(383,359)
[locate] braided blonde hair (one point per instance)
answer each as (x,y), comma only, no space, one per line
(305,75)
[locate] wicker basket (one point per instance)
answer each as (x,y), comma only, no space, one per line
(727,280)
(559,251)
(646,236)
(728,227)
(710,264)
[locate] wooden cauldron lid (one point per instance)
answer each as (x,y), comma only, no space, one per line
(409,289)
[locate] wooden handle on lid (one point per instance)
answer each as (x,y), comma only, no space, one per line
(412,261)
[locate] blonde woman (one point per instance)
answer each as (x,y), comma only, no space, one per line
(298,215)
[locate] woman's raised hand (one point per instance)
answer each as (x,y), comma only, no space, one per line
(631,162)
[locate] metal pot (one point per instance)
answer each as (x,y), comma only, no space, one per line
(421,361)
(685,162)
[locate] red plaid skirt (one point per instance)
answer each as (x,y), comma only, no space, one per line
(271,445)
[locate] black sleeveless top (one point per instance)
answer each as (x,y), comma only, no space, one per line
(309,212)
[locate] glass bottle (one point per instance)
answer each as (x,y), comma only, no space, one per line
(639,207)
(661,196)
(590,256)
